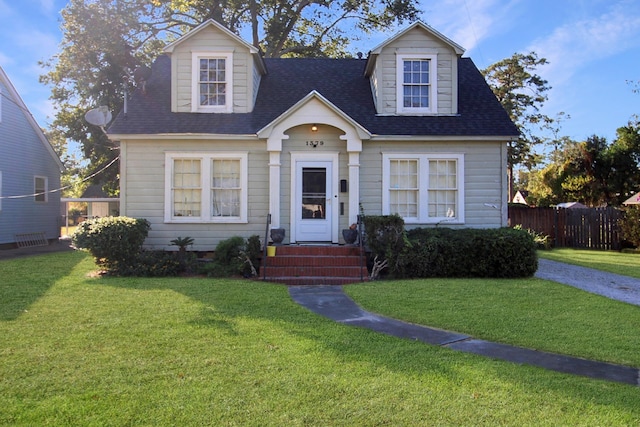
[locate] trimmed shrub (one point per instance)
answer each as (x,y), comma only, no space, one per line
(444,252)
(232,257)
(387,240)
(155,264)
(114,242)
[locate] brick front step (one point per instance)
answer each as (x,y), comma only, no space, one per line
(315,265)
(309,280)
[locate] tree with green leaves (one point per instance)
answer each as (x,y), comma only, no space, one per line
(105,40)
(102,43)
(70,181)
(522,93)
(592,172)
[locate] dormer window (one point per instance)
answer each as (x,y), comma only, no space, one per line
(417,84)
(212,82)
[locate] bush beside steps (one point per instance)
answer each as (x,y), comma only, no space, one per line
(445,252)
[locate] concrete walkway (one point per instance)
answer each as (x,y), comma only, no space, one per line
(332,302)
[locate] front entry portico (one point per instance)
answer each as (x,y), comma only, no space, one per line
(315,211)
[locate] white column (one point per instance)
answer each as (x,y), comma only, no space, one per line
(274,188)
(354,186)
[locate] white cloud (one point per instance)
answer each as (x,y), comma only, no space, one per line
(47,5)
(5,9)
(468,22)
(40,45)
(577,44)
(5,60)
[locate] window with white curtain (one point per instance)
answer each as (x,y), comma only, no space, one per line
(424,188)
(206,187)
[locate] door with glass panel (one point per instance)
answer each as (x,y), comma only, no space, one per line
(313,201)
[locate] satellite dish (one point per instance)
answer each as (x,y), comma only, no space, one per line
(98,116)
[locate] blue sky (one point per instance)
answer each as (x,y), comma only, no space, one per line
(593,47)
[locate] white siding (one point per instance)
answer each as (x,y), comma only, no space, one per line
(483,180)
(144,169)
(416,41)
(257,76)
(211,40)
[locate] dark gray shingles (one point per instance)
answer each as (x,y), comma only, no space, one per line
(341,81)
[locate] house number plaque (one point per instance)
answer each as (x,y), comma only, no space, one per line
(314,143)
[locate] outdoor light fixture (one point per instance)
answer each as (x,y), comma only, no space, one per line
(314,128)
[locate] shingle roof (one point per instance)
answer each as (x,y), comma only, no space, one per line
(341,81)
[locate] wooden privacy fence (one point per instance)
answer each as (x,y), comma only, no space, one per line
(594,228)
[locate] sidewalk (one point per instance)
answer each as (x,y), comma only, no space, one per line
(332,302)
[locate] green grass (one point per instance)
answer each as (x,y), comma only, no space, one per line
(531,313)
(627,264)
(80,350)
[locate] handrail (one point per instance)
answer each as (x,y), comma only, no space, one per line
(361,244)
(264,253)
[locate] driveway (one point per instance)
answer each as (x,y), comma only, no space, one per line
(614,286)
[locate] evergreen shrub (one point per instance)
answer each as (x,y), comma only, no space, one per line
(386,238)
(232,257)
(114,242)
(445,252)
(156,264)
(630,225)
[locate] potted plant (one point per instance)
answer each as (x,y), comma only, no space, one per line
(277,235)
(350,235)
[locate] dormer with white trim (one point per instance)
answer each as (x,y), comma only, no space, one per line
(415,73)
(214,71)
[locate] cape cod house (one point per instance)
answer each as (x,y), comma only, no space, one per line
(29,171)
(218,138)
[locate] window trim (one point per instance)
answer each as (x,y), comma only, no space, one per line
(433,84)
(206,159)
(423,186)
(44,191)
(195,78)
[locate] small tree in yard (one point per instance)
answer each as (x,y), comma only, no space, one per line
(630,226)
(114,242)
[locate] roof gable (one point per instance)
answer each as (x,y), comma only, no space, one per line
(459,50)
(15,97)
(315,108)
(208,24)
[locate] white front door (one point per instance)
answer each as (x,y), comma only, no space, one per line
(314,201)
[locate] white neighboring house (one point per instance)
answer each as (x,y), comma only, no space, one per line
(220,137)
(29,171)
(633,200)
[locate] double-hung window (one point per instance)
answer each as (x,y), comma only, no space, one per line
(206,187)
(417,84)
(212,82)
(40,188)
(424,188)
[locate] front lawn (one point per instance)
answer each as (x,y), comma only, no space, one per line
(82,350)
